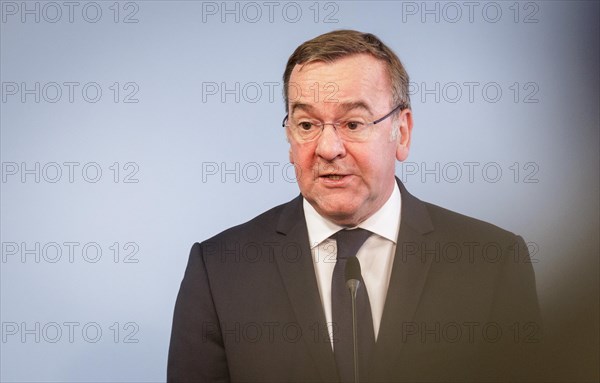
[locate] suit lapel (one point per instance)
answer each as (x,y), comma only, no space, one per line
(296,267)
(409,273)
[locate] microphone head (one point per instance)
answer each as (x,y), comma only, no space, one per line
(352,271)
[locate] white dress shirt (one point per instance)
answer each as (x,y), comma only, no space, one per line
(376,256)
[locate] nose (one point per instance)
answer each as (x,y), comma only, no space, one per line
(329,144)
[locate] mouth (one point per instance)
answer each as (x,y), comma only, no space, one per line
(333,177)
(334,180)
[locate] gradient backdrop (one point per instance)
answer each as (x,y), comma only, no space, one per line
(130,130)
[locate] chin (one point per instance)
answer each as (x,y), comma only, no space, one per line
(340,214)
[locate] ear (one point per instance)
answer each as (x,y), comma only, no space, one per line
(405,125)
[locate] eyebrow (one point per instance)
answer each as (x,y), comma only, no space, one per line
(300,106)
(346,107)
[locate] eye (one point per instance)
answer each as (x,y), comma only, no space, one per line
(354,125)
(305,125)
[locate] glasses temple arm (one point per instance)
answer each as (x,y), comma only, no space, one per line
(400,106)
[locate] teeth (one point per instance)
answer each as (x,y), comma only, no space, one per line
(334,177)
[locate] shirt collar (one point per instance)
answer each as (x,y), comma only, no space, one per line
(385,222)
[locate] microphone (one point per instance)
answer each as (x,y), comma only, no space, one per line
(352,273)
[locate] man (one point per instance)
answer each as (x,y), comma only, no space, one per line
(443,297)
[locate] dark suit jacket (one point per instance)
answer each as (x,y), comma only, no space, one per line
(461,304)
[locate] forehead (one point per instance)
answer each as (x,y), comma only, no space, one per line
(358,78)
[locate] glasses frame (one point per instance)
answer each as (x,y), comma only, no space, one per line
(400,106)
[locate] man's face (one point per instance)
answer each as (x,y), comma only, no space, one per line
(346,182)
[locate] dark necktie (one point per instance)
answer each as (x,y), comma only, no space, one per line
(348,243)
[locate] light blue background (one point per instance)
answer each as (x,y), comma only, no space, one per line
(176,134)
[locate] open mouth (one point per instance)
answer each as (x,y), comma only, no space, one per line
(334,177)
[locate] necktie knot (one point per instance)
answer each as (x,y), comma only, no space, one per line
(349,241)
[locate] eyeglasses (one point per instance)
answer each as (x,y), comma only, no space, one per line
(355,130)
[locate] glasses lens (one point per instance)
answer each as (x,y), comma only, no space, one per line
(304,130)
(354,131)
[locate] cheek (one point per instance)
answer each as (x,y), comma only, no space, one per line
(307,165)
(301,156)
(376,164)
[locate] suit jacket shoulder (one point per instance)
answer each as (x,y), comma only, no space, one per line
(263,223)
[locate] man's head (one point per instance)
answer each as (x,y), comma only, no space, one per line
(334,45)
(352,79)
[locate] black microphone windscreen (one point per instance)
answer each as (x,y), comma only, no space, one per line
(352,269)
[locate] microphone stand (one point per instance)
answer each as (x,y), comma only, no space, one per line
(353,283)
(353,287)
